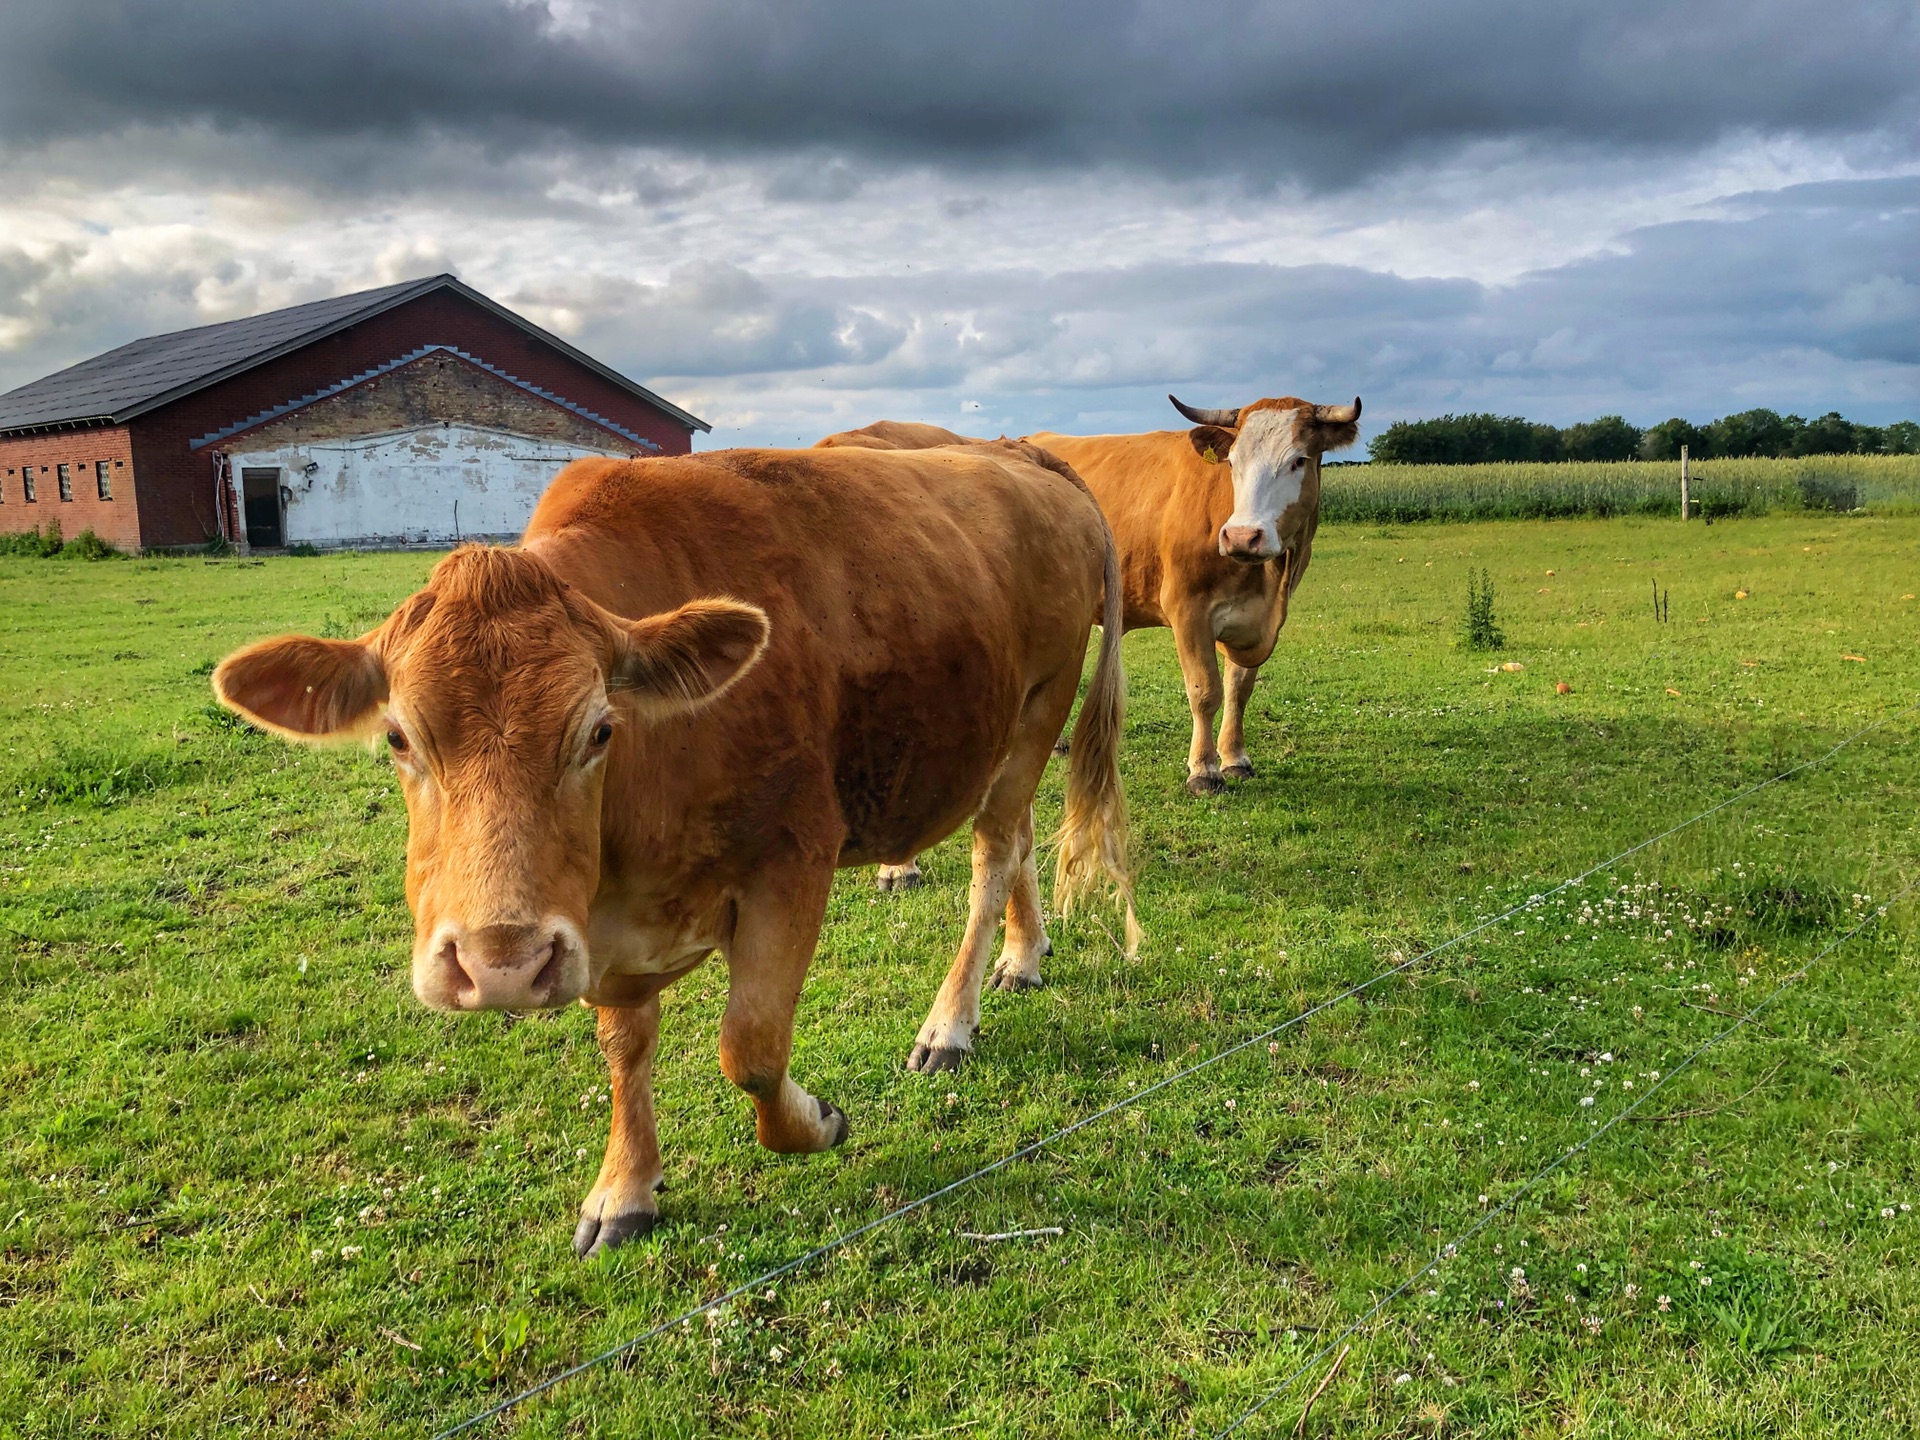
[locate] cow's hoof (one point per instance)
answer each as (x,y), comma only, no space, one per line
(933,1059)
(1242,771)
(1205,784)
(1009,976)
(1062,746)
(836,1117)
(594,1234)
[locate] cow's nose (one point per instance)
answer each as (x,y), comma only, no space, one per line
(503,967)
(1243,542)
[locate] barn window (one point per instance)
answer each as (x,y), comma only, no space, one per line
(103,478)
(64,474)
(26,484)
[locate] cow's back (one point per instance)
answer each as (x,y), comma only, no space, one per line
(894,435)
(1163,502)
(915,599)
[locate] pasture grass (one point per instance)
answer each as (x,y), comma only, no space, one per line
(251,1187)
(1602,489)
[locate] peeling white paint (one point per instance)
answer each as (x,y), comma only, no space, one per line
(429,486)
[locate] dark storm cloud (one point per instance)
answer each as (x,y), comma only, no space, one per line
(1320,90)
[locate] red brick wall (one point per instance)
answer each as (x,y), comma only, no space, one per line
(176,491)
(112,520)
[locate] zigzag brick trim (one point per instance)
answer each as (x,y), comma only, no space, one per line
(412,355)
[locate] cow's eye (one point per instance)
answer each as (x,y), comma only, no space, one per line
(396,742)
(1299,462)
(602,733)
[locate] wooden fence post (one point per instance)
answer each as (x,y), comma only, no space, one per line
(1684,512)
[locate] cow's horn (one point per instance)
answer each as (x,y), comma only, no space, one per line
(1228,418)
(1339,414)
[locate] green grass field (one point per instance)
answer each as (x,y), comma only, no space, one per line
(1402,494)
(250,1186)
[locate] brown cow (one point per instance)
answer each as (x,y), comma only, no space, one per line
(699,686)
(896,435)
(1215,527)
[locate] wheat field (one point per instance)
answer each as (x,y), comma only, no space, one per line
(1398,494)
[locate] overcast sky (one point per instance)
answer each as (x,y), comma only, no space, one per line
(792,216)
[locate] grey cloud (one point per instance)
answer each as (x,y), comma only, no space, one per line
(713,318)
(815,179)
(1315,90)
(1808,300)
(1804,298)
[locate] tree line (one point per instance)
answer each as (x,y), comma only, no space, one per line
(1479,439)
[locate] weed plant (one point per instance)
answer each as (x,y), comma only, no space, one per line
(1481,632)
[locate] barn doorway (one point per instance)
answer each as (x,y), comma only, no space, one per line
(260,491)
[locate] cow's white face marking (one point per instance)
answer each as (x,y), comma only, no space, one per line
(1269,469)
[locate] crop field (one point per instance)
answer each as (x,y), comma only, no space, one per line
(1834,484)
(251,1187)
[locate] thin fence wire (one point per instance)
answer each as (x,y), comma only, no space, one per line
(1560,1161)
(848,1237)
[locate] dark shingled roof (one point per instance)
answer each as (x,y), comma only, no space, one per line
(140,376)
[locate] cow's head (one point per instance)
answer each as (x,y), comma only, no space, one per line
(1274,447)
(499,692)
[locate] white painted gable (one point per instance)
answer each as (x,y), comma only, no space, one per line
(430,486)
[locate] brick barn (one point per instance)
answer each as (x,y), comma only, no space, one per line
(416,414)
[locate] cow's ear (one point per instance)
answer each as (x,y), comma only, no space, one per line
(686,657)
(1212,442)
(303,688)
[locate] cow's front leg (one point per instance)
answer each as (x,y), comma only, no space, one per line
(1233,740)
(1193,639)
(620,1207)
(774,936)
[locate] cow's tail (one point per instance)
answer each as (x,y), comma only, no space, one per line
(1092,843)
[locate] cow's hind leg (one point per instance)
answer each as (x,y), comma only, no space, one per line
(1026,943)
(1233,741)
(892,879)
(621,1207)
(774,934)
(947,1035)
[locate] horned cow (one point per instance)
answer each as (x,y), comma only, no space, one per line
(1215,527)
